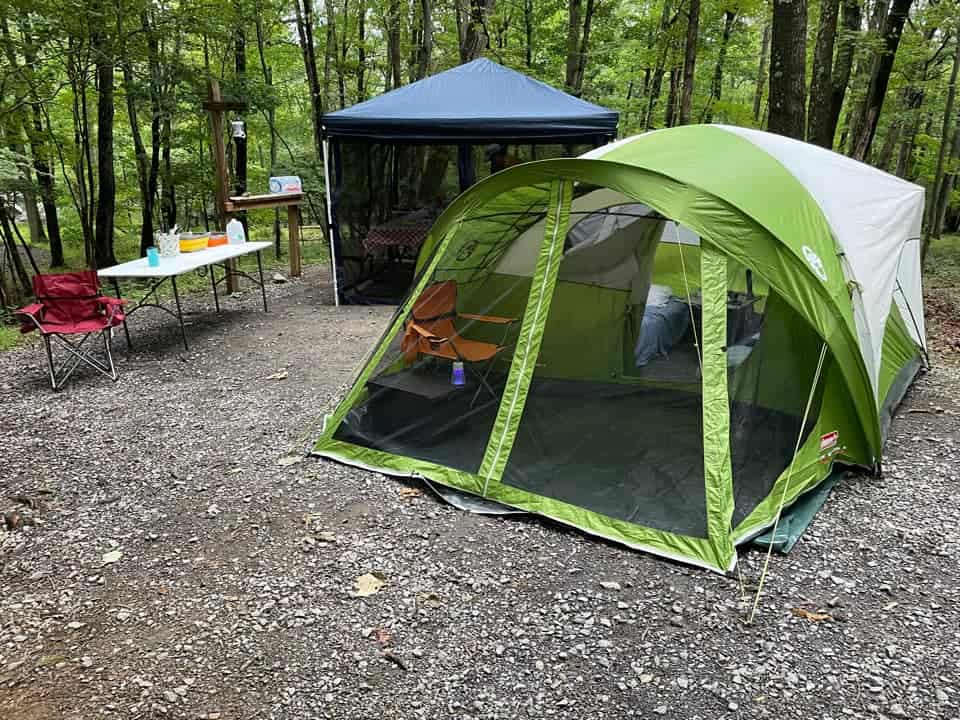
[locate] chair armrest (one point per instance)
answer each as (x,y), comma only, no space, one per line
(30,317)
(424,333)
(487,318)
(31,310)
(111,300)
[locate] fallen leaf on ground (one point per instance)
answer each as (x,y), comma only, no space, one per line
(409,492)
(282,375)
(111,557)
(383,636)
(430,599)
(369,584)
(808,615)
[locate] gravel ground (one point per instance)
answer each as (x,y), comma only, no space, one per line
(186,562)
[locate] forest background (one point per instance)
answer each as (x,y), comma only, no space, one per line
(104,138)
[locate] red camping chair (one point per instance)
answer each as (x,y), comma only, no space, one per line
(71,305)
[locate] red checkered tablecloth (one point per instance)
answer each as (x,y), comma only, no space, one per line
(407,233)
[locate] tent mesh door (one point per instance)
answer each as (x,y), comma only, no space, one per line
(435,393)
(613,420)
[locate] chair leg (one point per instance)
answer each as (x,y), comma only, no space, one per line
(59,377)
(483,383)
(50,366)
(107,336)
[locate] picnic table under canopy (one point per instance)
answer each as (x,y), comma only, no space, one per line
(397,150)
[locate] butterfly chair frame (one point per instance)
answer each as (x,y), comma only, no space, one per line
(432,331)
(69,311)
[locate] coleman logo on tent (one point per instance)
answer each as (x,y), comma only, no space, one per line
(815,263)
(829,440)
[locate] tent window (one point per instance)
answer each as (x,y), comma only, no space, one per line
(769,352)
(435,393)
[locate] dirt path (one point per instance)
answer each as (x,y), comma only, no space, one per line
(230,598)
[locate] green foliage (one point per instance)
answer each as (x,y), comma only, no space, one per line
(170,50)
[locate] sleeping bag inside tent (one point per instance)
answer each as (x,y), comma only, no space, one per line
(663,343)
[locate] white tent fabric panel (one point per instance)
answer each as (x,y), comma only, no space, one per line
(521,257)
(873,216)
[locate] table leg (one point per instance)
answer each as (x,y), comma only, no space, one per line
(176,297)
(213,282)
(263,287)
(293,228)
(126,330)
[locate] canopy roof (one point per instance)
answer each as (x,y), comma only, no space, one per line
(477,102)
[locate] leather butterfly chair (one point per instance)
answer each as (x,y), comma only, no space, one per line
(432,331)
(69,310)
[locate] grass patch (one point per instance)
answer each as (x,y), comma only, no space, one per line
(9,336)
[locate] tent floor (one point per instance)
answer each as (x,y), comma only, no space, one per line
(629,452)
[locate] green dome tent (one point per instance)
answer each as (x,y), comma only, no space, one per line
(663,342)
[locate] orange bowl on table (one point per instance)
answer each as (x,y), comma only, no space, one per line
(216,239)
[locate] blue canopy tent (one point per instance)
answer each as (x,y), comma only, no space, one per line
(477,103)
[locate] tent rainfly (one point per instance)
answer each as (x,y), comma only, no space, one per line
(365,146)
(663,342)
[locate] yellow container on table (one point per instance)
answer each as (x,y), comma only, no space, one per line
(192,243)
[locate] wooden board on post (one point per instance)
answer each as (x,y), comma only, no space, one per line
(292,202)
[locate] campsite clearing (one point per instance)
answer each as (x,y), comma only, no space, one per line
(234,594)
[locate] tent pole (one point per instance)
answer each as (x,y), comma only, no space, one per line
(333,250)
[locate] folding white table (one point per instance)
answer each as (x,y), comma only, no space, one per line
(203,261)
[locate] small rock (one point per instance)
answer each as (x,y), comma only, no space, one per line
(170,696)
(279,279)
(609,585)
(660,709)
(897,710)
(676,620)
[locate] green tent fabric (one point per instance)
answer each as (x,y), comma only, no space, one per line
(663,343)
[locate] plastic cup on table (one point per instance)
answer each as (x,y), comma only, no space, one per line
(153,257)
(458,378)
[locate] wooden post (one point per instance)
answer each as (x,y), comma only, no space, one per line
(293,228)
(215,103)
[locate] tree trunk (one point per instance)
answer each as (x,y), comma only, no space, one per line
(330,47)
(106,178)
(143,163)
(948,184)
(361,51)
(889,143)
(528,32)
(393,43)
(879,79)
(716,86)
(573,43)
(673,98)
(425,51)
(819,131)
(304,18)
(42,164)
(843,64)
(584,47)
(905,157)
(476,39)
(761,73)
(18,270)
(945,135)
(788,49)
(689,62)
(271,114)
